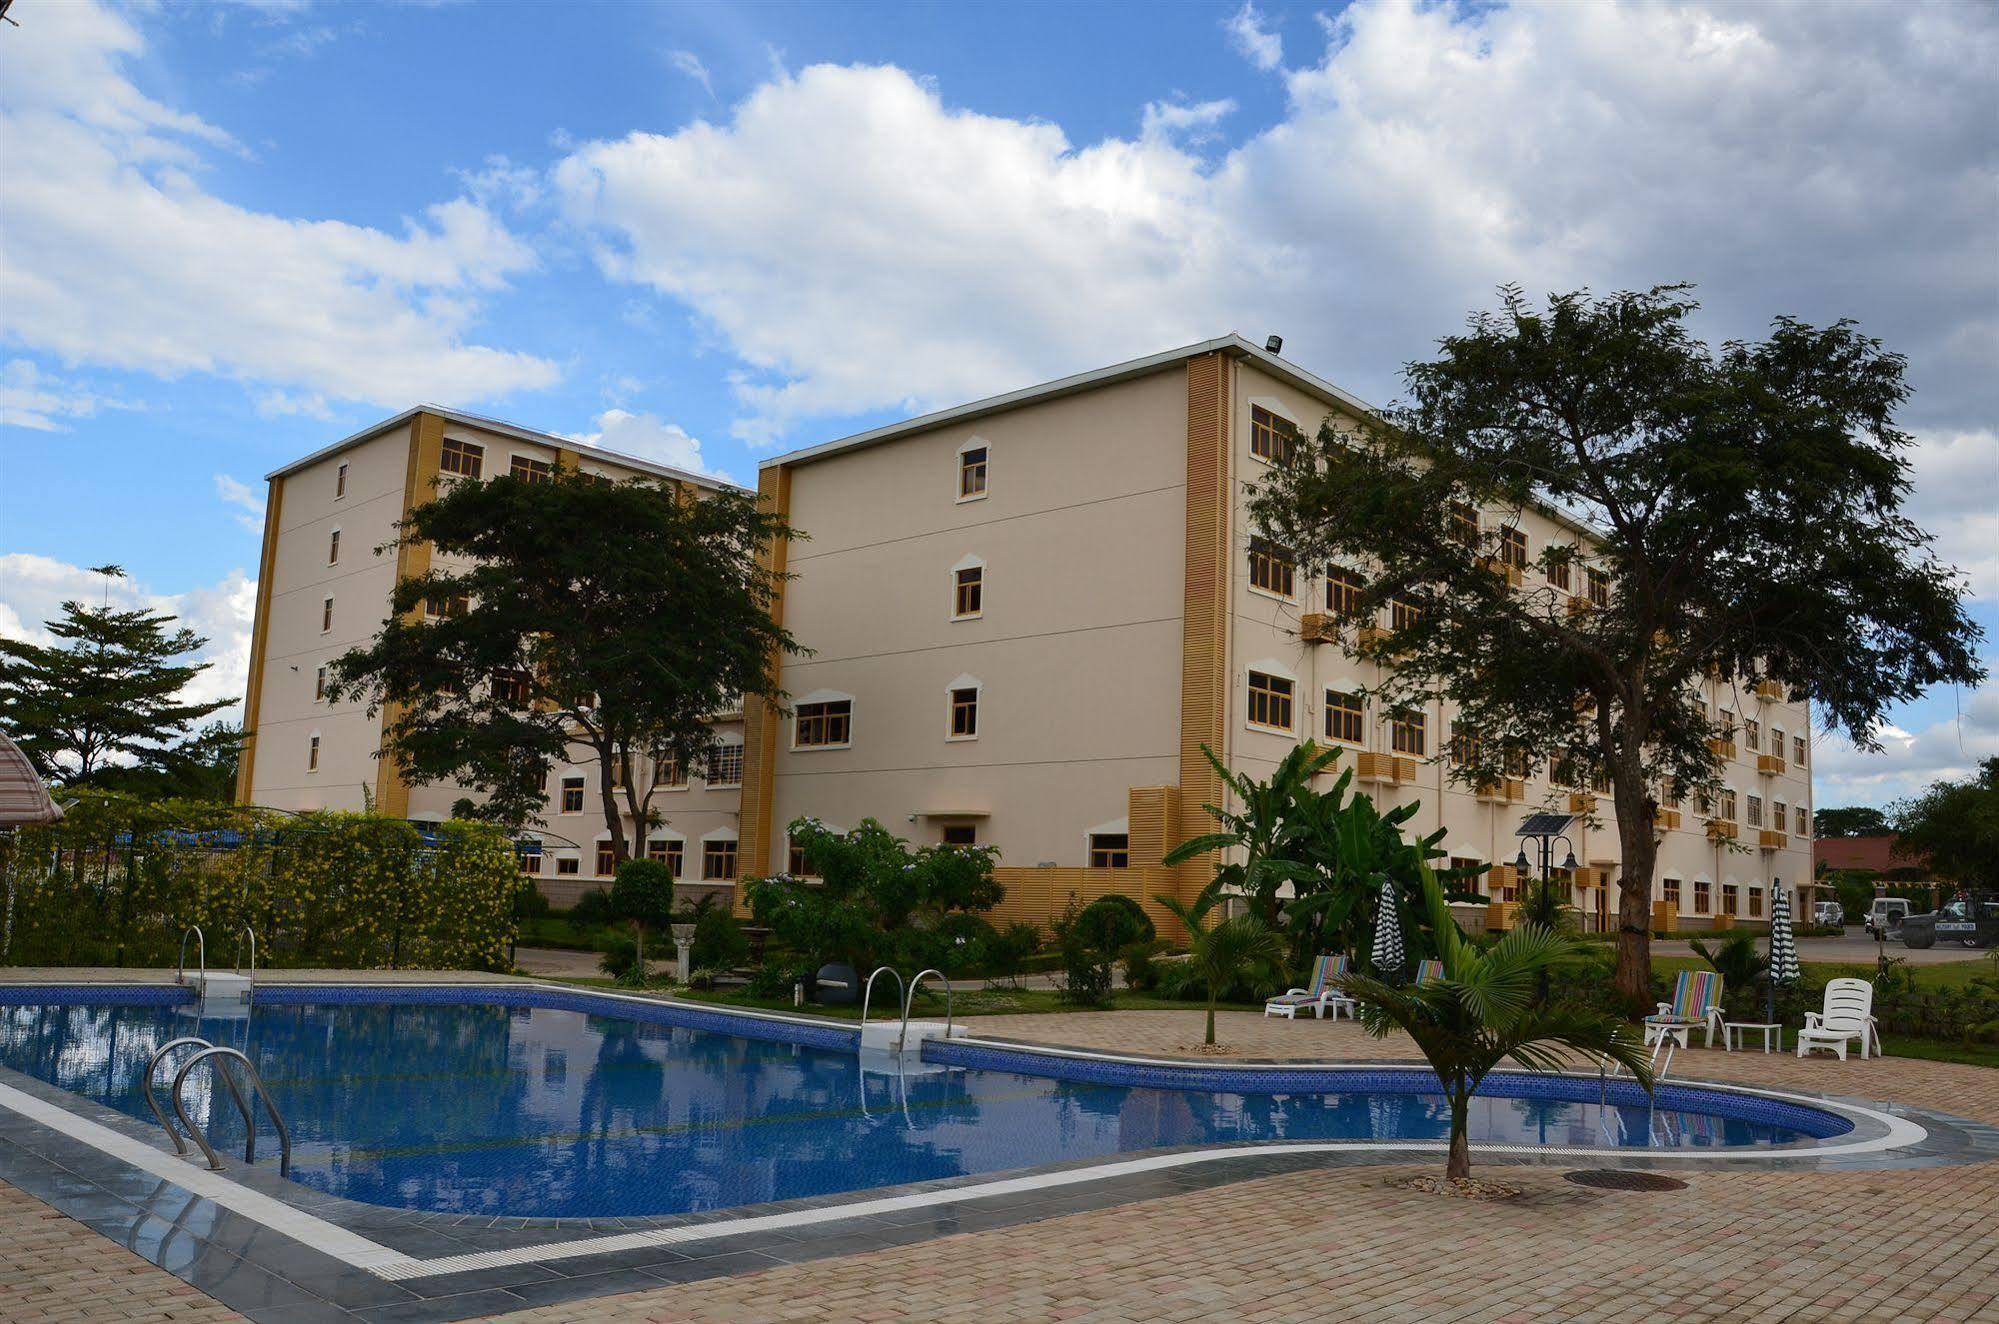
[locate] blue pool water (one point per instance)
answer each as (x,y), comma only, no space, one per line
(551,1111)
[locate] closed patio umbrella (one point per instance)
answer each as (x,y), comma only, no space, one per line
(1387,955)
(1783,945)
(23,798)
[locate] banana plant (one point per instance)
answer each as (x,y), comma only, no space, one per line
(1264,830)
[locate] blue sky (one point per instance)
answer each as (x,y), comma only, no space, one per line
(232,232)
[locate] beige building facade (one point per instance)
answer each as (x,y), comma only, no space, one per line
(1026,616)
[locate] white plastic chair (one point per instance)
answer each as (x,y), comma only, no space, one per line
(1848,1014)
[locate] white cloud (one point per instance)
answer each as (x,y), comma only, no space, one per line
(688,63)
(648,438)
(1908,761)
(116,255)
(1253,39)
(1956,498)
(33,399)
(249,503)
(33,589)
(1189,123)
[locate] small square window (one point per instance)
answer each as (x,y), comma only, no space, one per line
(961,834)
(1270,701)
(568,864)
(725,764)
(1403,615)
(340,481)
(1110,850)
(572,795)
(668,853)
(1271,436)
(964,714)
(510,687)
(971,473)
(969,592)
(822,724)
(464,458)
(672,772)
(531,471)
(1343,717)
(312,755)
(718,860)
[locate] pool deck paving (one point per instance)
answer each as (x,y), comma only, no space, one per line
(1316,1242)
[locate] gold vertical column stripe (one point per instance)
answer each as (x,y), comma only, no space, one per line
(1204,637)
(760,717)
(392,794)
(260,632)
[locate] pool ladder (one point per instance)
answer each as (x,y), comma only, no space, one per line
(900,1041)
(217,993)
(219,1059)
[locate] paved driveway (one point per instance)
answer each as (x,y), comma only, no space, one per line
(1856,948)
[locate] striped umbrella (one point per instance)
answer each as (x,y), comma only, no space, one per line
(23,798)
(1387,955)
(1783,946)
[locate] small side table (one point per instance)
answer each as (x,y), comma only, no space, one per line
(1732,1037)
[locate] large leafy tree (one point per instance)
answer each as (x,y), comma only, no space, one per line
(1954,826)
(572,618)
(108,698)
(1744,503)
(1858,821)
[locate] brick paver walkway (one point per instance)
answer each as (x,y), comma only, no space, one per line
(1332,1244)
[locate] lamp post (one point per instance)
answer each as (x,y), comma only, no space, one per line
(1547,843)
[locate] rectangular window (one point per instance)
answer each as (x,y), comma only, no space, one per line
(972,473)
(669,853)
(326,616)
(1798,750)
(1271,436)
(964,714)
(1804,822)
(1343,589)
(1272,568)
(1780,815)
(1403,614)
(568,864)
(961,834)
(510,687)
(672,773)
(1598,582)
(1464,525)
(1110,850)
(1752,733)
(607,860)
(1513,548)
(1670,793)
(1703,894)
(1558,572)
(829,723)
(1730,895)
(1756,903)
(1466,747)
(1725,719)
(333,548)
(1754,810)
(1728,806)
(572,795)
(718,860)
(531,471)
(969,598)
(1777,742)
(1269,701)
(340,481)
(1516,763)
(1670,891)
(530,861)
(1408,733)
(455,605)
(794,863)
(725,765)
(319,685)
(1343,717)
(312,755)
(464,458)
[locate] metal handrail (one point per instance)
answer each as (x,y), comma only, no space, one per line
(909,1000)
(200,952)
(251,934)
(152,1068)
(249,1121)
(902,989)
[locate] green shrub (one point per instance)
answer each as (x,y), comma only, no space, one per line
(772,980)
(592,909)
(1010,950)
(719,941)
(1090,939)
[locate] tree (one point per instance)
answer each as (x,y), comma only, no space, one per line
(1955,825)
(1483,1012)
(1742,505)
(108,699)
(1226,950)
(642,892)
(571,616)
(1854,822)
(1261,832)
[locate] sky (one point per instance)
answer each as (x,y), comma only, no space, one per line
(233,232)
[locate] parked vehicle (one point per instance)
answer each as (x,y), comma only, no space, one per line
(1884,917)
(1829,915)
(1970,918)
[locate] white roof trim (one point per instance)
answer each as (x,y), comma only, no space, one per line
(1115,825)
(719,834)
(823,696)
(970,561)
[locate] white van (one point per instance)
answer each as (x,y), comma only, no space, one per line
(1828,915)
(1884,917)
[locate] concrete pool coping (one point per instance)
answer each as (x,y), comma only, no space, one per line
(293,1253)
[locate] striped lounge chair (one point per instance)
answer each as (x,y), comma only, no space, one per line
(1429,972)
(1321,995)
(1696,1005)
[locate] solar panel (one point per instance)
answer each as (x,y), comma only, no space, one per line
(1545,825)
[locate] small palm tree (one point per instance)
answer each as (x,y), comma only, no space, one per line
(1483,1012)
(1226,951)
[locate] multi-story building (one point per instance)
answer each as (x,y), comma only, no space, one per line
(1029,615)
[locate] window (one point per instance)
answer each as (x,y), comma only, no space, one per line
(1565,772)
(1671,793)
(965,713)
(340,481)
(1598,583)
(531,471)
(1670,891)
(969,592)
(455,605)
(794,863)
(1703,894)
(1516,763)
(718,859)
(1466,747)
(1725,718)
(1110,850)
(1756,903)
(1343,717)
(568,864)
(669,853)
(971,473)
(1730,896)
(319,685)
(1558,572)
(1798,750)
(326,616)
(1804,822)
(1407,732)
(333,548)
(1464,525)
(819,724)
(1403,614)
(464,458)
(1271,567)
(1269,701)
(961,834)
(1343,588)
(1728,806)
(312,755)
(1513,548)
(510,687)
(1754,810)
(1780,815)
(1777,742)
(672,772)
(607,860)
(1271,436)
(530,861)
(572,795)
(725,765)
(1752,733)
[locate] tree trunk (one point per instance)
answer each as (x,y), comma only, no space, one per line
(1459,1162)
(1211,1017)
(1638,849)
(613,818)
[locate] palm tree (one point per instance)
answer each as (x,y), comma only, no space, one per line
(1226,951)
(1483,1012)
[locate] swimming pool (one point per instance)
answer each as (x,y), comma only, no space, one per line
(539,1102)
